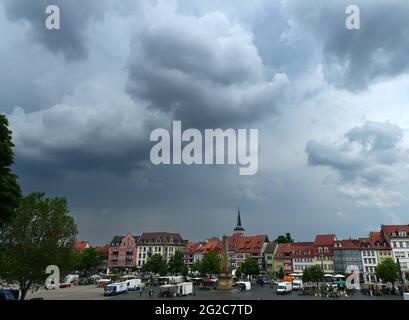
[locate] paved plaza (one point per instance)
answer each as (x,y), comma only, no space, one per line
(257,292)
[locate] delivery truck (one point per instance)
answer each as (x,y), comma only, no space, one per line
(284,288)
(115,288)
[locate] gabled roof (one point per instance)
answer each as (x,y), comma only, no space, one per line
(284,250)
(347,244)
(104,249)
(191,247)
(162,237)
(394,228)
(324,239)
(116,240)
(270,248)
(302,249)
(238,242)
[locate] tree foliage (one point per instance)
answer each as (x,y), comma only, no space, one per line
(285,238)
(210,263)
(249,267)
(312,274)
(10,191)
(88,260)
(387,270)
(41,233)
(177,264)
(280,273)
(156,264)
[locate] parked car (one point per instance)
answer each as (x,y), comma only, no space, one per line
(262,281)
(8,294)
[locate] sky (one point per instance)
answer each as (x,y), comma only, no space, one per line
(330,104)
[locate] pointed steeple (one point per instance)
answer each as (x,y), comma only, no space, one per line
(239,227)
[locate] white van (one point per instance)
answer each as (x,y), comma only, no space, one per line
(284,288)
(115,288)
(134,284)
(297,285)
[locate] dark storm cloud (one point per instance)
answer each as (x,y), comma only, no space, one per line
(355,59)
(71,39)
(97,128)
(205,71)
(367,160)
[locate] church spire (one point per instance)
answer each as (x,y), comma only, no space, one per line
(239,227)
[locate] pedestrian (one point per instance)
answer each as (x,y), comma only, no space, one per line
(140,292)
(150,293)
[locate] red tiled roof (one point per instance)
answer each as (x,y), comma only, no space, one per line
(191,247)
(303,249)
(324,239)
(210,244)
(246,244)
(284,250)
(80,245)
(395,227)
(104,249)
(348,244)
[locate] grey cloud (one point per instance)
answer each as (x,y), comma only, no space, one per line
(71,39)
(368,160)
(96,128)
(355,59)
(205,71)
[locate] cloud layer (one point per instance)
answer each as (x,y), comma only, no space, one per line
(330,105)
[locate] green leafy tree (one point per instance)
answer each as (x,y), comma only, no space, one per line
(250,267)
(10,191)
(210,263)
(313,274)
(388,271)
(41,233)
(177,264)
(285,238)
(89,260)
(156,264)
(280,273)
(239,273)
(196,266)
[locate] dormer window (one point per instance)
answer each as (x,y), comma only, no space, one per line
(402,234)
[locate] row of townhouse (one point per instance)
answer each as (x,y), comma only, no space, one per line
(296,257)
(131,251)
(334,256)
(240,247)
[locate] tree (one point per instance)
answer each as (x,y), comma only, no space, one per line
(156,264)
(89,260)
(312,274)
(280,274)
(239,273)
(250,267)
(210,263)
(41,233)
(10,191)
(284,239)
(177,264)
(196,266)
(388,271)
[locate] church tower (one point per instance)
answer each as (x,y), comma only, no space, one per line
(239,228)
